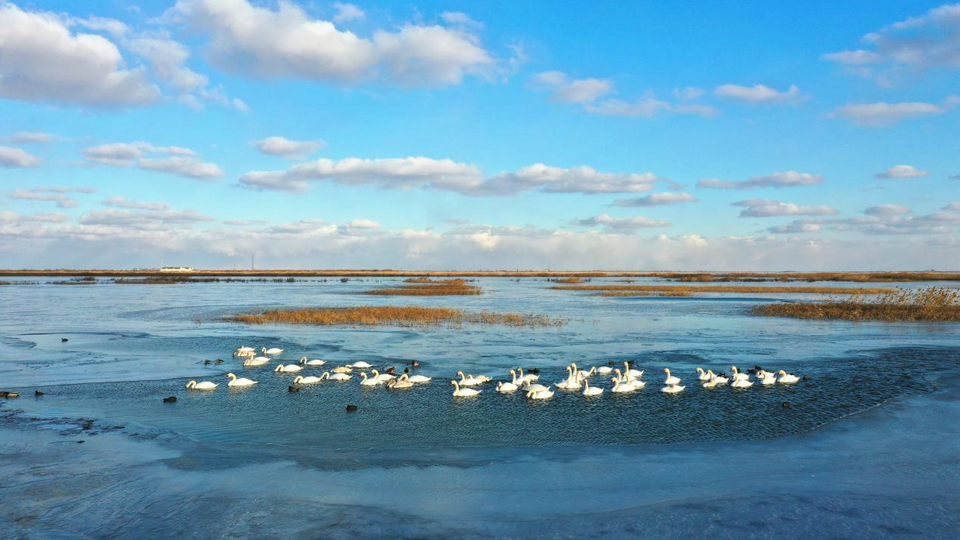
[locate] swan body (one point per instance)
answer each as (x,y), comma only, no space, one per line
(604,370)
(786,378)
(672,389)
(289,368)
(307,380)
(506,387)
(704,376)
(418,379)
(463,392)
(542,394)
(710,385)
(591,391)
(619,387)
(571,382)
(241,382)
(360,365)
(254,362)
(739,376)
(369,382)
(382,377)
(742,383)
(243,349)
(400,384)
(528,377)
(768,378)
(536,387)
(314,362)
(272,350)
(468,381)
(672,380)
(203,385)
(336,376)
(632,372)
(342,369)
(719,378)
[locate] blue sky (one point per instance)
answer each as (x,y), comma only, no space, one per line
(480,135)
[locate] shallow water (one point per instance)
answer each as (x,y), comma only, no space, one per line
(568,466)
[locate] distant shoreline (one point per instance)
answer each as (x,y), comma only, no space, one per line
(692,276)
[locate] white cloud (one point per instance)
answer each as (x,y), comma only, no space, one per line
(32,137)
(656,199)
(897,51)
(952,206)
(120,201)
(44,195)
(775,180)
(16,158)
(887,210)
(281,146)
(287,43)
(621,224)
(459,18)
(689,93)
(179,161)
(144,220)
(762,208)
(648,106)
(884,114)
(347,12)
(760,93)
(796,227)
(565,90)
(447,175)
(901,171)
(43,60)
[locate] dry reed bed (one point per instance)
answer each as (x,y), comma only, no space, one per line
(744,289)
(389,315)
(933,304)
(857,277)
(429,287)
(643,293)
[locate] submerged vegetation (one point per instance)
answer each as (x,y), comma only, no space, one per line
(429,287)
(678,290)
(933,304)
(390,315)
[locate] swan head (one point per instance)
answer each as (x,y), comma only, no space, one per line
(455,384)
(733,369)
(781,372)
(231,376)
(297,379)
(191,384)
(574,366)
(531,393)
(700,370)
(375,372)
(278,369)
(667,371)
(303,359)
(459,374)
(263,349)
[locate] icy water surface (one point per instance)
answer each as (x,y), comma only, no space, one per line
(862,448)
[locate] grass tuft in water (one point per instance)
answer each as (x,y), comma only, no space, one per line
(738,289)
(390,315)
(932,304)
(429,287)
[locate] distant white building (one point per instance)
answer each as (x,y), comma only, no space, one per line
(176,269)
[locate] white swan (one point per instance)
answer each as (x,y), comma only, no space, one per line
(235,382)
(299,379)
(704,376)
(528,377)
(204,385)
(719,378)
(671,379)
(570,383)
(604,370)
(463,392)
(710,385)
(506,387)
(336,376)
(542,394)
(254,362)
(742,383)
(672,389)
(768,378)
(369,382)
(786,378)
(289,368)
(418,379)
(481,378)
(632,373)
(342,369)
(467,381)
(619,387)
(535,387)
(272,350)
(243,349)
(626,380)
(360,365)
(382,377)
(314,362)
(591,391)
(739,376)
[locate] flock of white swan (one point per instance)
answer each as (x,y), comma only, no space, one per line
(626,381)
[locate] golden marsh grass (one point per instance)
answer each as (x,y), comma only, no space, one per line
(389,315)
(933,304)
(429,287)
(739,289)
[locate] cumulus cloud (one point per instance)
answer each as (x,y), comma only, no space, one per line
(887,210)
(796,227)
(178,160)
(120,201)
(760,93)
(886,220)
(55,194)
(952,207)
(16,158)
(290,149)
(144,220)
(347,12)
(775,180)
(884,114)
(43,60)
(763,208)
(927,41)
(656,199)
(901,171)
(259,42)
(621,224)
(447,175)
(648,106)
(32,137)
